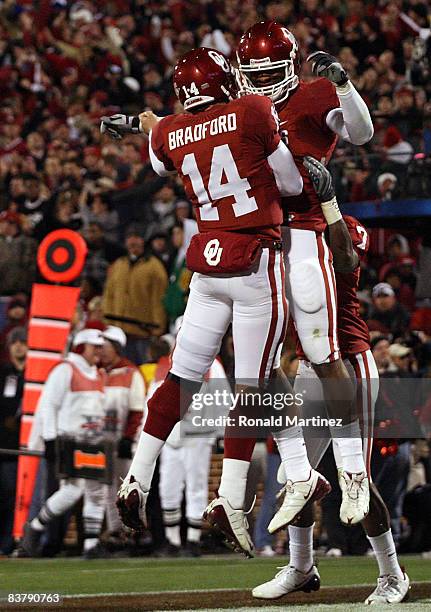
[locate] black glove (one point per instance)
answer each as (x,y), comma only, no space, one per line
(321,179)
(50,451)
(325,65)
(124,448)
(116,126)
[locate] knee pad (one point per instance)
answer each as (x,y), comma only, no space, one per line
(306,286)
(190,360)
(316,347)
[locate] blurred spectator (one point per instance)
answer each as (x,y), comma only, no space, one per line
(386,311)
(179,277)
(95,207)
(17,255)
(61,216)
(11,391)
(386,185)
(134,290)
(101,252)
(16,316)
(125,398)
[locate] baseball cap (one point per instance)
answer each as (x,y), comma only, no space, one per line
(383,289)
(88,336)
(399,350)
(386,176)
(115,334)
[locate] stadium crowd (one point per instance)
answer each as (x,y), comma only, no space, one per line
(66,64)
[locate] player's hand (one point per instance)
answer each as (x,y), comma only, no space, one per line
(321,179)
(148,120)
(116,126)
(326,65)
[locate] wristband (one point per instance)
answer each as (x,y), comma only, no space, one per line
(343,90)
(331,211)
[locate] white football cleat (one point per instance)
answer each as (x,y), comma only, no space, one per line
(131,502)
(356,496)
(232,523)
(296,496)
(288,580)
(389,590)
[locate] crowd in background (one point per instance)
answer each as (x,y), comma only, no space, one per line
(66,64)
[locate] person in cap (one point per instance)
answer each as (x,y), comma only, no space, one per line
(387,311)
(124,405)
(11,391)
(401,356)
(134,289)
(71,403)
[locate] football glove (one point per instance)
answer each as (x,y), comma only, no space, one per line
(322,183)
(320,177)
(116,126)
(326,65)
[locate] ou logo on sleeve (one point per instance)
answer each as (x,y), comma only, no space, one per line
(213,252)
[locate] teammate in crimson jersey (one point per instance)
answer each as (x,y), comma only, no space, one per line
(221,155)
(314,115)
(301,573)
(234,167)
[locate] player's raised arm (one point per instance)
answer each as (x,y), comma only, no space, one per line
(352,121)
(345,257)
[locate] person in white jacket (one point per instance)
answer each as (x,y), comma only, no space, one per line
(124,406)
(72,403)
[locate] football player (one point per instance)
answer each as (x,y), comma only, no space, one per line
(349,243)
(314,114)
(234,166)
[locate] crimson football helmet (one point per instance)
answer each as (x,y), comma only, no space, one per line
(268,46)
(203,76)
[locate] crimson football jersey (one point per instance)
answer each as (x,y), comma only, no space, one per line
(303,115)
(221,156)
(353,334)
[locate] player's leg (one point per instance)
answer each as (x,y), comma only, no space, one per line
(311,291)
(171,487)
(93,512)
(300,574)
(69,493)
(197,460)
(206,319)
(258,328)
(393,583)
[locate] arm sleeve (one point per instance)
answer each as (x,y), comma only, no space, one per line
(352,120)
(52,397)
(287,176)
(160,162)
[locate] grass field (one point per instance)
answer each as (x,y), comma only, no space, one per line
(209,580)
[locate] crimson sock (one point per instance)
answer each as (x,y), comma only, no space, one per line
(168,405)
(238,448)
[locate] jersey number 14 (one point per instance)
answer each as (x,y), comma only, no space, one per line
(222,162)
